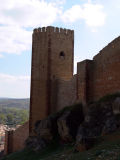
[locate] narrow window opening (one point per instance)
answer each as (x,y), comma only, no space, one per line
(62,55)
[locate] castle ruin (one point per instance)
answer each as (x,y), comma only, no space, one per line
(53,85)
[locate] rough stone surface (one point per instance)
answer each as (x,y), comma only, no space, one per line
(36,143)
(15,139)
(72,123)
(69,122)
(98,121)
(116,106)
(63,129)
(47,128)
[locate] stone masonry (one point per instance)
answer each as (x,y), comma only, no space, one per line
(53,85)
(52,59)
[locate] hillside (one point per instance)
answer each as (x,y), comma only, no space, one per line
(14,111)
(14,103)
(108,147)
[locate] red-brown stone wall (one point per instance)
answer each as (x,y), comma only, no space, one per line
(107,70)
(66,93)
(100,76)
(47,67)
(15,140)
(84,80)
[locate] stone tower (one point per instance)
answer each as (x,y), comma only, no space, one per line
(52,59)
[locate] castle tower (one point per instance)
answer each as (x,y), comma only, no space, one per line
(52,59)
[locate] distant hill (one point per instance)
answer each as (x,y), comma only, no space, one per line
(14,103)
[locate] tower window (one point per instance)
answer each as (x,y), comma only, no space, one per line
(62,55)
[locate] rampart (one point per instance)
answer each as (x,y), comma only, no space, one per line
(15,139)
(100,76)
(51,29)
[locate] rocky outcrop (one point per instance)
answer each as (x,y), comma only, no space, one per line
(69,122)
(36,143)
(99,120)
(72,124)
(116,106)
(47,128)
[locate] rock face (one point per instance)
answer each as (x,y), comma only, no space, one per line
(98,121)
(116,106)
(36,143)
(63,129)
(72,124)
(47,128)
(69,122)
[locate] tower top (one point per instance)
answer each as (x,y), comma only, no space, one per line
(51,29)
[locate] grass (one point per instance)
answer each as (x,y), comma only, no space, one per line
(108,148)
(109,97)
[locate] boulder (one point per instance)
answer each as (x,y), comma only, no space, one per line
(99,120)
(69,122)
(63,128)
(47,128)
(109,126)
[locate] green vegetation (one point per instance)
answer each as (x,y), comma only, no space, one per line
(108,147)
(13,116)
(109,97)
(14,111)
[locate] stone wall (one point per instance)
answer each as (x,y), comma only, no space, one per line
(66,93)
(52,59)
(100,76)
(107,70)
(84,79)
(15,140)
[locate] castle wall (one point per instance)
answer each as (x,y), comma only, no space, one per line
(15,140)
(84,80)
(67,93)
(107,70)
(8,148)
(100,76)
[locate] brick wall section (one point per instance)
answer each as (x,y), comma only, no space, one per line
(100,76)
(67,93)
(107,70)
(15,140)
(8,148)
(62,40)
(84,79)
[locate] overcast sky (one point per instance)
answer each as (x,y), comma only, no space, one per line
(95,22)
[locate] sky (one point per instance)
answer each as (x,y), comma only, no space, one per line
(95,23)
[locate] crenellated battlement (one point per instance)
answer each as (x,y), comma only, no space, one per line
(51,29)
